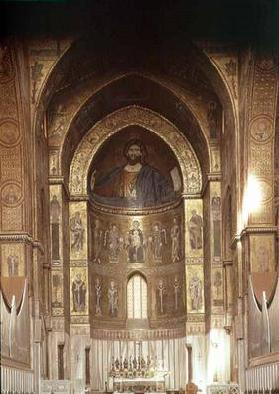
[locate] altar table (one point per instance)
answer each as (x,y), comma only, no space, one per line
(155,384)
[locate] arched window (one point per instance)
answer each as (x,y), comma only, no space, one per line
(137,297)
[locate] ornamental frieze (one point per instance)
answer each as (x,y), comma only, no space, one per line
(134,335)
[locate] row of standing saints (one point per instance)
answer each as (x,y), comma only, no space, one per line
(112,294)
(135,244)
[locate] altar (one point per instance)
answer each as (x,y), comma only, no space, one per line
(137,374)
(155,384)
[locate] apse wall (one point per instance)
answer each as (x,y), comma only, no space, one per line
(158,258)
(130,322)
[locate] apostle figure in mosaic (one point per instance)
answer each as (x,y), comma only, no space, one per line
(55,209)
(158,238)
(13,264)
(78,293)
(98,289)
(113,241)
(176,288)
(135,244)
(55,214)
(175,241)
(77,232)
(195,290)
(113,299)
(161,292)
(195,230)
(216,203)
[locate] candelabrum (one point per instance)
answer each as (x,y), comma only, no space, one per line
(132,367)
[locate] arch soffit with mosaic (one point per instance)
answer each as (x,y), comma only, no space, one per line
(47,87)
(177,91)
(149,120)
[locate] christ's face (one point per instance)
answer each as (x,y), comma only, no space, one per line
(134,154)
